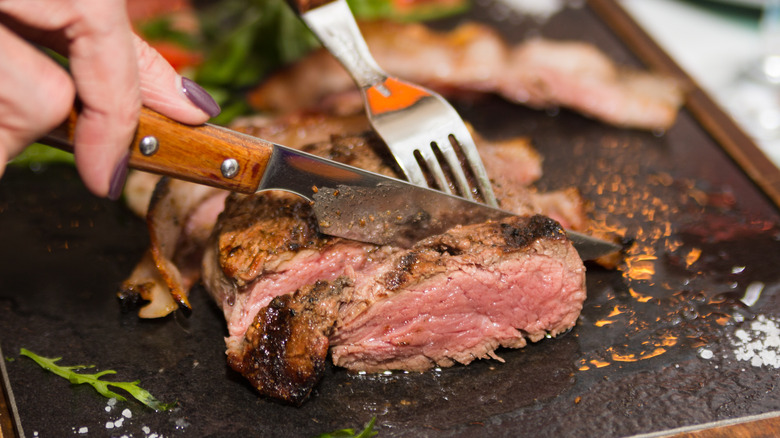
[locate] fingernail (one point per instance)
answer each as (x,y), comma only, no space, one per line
(200,97)
(118,178)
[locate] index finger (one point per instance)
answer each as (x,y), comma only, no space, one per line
(105,72)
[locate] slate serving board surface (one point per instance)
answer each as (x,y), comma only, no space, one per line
(702,232)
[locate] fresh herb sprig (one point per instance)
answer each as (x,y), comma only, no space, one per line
(101,386)
(367,432)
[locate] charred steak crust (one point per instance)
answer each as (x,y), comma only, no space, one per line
(426,257)
(284,351)
(256,229)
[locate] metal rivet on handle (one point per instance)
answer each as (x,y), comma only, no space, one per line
(149,145)
(229,168)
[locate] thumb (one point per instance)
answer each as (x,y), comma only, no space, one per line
(167,92)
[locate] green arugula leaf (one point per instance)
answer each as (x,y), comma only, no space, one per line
(390,10)
(101,386)
(367,432)
(41,154)
(163,29)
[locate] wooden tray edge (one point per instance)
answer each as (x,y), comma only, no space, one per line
(762,425)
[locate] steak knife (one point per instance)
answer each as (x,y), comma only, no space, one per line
(348,202)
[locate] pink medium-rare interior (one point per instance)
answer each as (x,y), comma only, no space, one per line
(472,310)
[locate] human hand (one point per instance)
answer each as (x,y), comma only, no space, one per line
(112,71)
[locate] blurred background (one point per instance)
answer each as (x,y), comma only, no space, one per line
(722,44)
(728,49)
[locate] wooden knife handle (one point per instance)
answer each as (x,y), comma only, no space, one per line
(200,154)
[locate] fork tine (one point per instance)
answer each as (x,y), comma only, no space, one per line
(449,154)
(462,135)
(411,168)
(435,168)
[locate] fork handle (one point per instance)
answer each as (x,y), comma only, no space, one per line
(335,26)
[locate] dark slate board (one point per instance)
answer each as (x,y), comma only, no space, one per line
(702,233)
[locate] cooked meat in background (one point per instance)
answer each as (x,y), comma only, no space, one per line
(474,58)
(180,218)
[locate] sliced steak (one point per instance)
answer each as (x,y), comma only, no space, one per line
(290,294)
(268,244)
(449,299)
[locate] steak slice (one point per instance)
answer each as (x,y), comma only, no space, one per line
(458,296)
(449,299)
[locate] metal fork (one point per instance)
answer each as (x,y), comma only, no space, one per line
(417,124)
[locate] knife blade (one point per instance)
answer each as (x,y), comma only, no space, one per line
(348,202)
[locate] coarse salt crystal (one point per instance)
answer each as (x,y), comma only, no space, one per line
(83,430)
(705,354)
(146,430)
(119,422)
(769,357)
(127,413)
(759,345)
(109,424)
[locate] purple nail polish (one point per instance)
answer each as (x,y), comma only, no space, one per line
(200,97)
(118,178)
